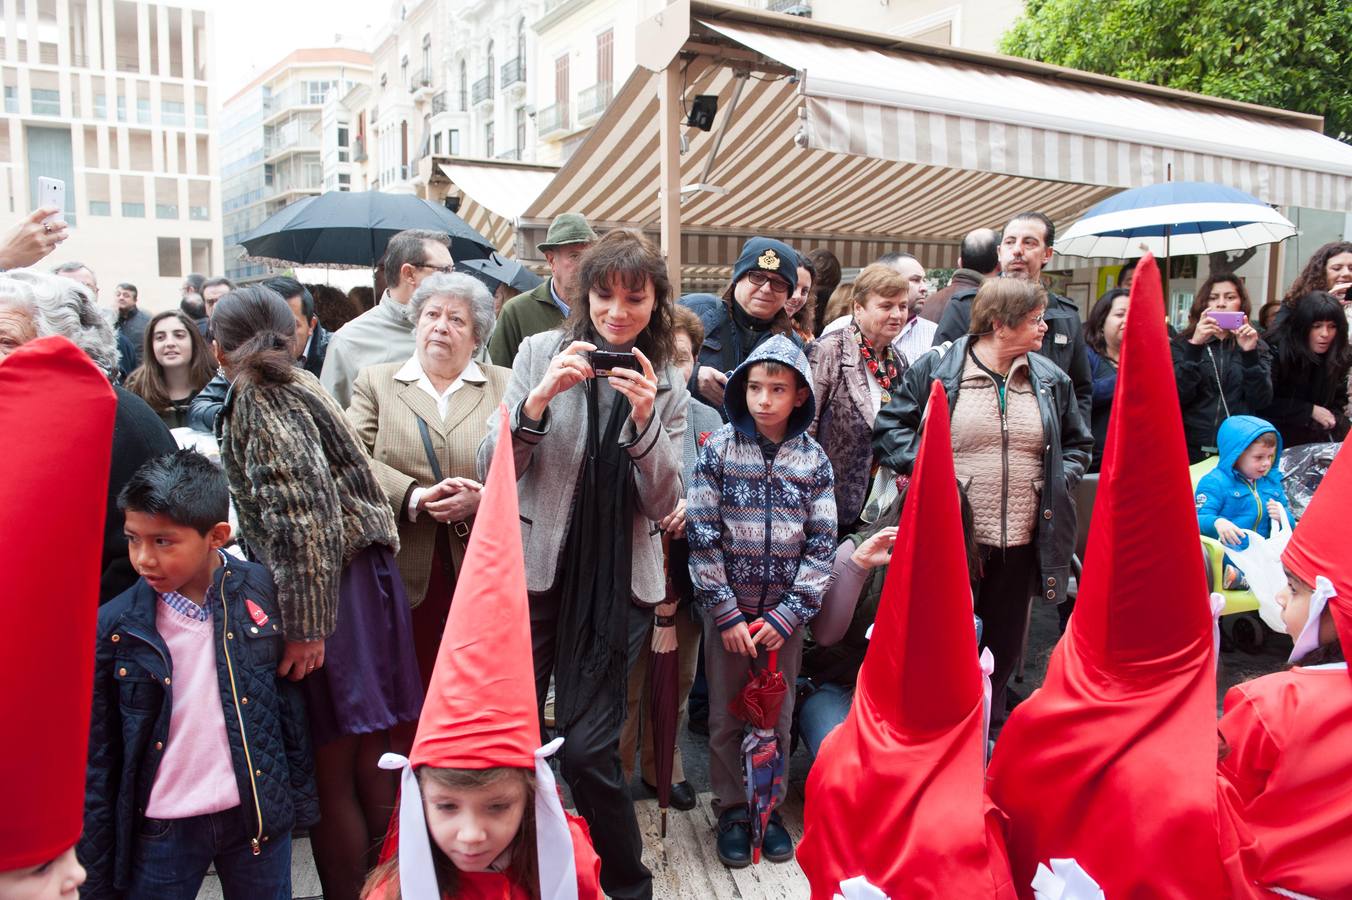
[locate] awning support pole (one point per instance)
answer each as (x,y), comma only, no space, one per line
(669,184)
(738,84)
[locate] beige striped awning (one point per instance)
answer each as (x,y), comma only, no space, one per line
(493,195)
(865,143)
(762,183)
(956,112)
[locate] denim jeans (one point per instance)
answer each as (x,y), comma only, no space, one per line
(820,713)
(172,857)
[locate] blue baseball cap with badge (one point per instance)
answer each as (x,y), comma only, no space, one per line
(762,254)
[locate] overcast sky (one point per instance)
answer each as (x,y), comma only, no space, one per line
(253,34)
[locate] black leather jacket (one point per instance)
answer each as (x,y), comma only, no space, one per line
(1063,343)
(896,440)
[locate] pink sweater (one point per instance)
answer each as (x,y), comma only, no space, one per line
(196,775)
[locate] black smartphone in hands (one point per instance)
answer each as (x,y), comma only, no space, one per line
(603,361)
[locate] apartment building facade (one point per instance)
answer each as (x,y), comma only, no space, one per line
(273,142)
(450,79)
(116,99)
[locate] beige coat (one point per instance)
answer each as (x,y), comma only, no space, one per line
(385,413)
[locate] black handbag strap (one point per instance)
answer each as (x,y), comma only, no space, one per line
(427,446)
(461,529)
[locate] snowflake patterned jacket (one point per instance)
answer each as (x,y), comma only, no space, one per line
(762,524)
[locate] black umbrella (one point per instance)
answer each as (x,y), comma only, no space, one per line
(351,228)
(497,269)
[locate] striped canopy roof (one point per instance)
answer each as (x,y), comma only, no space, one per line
(864,143)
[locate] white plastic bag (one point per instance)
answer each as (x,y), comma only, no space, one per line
(1261,563)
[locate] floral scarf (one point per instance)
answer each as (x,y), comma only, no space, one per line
(885,369)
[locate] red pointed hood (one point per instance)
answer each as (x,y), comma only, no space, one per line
(1143,601)
(895,794)
(920,673)
(56,416)
(480,711)
(1112,762)
(1319,546)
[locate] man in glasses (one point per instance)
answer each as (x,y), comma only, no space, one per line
(1025,247)
(384,333)
(750,310)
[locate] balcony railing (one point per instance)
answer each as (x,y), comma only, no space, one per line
(513,72)
(277,144)
(421,79)
(482,90)
(791,7)
(514,154)
(552,119)
(594,100)
(438,102)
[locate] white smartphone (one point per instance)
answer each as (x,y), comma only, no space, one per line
(52,192)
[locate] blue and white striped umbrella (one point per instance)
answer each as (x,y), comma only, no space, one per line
(1175,218)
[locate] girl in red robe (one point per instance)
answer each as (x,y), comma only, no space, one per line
(479,812)
(1288,733)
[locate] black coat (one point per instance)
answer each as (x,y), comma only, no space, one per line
(727,343)
(139,435)
(319,348)
(896,441)
(1063,343)
(1295,393)
(129,725)
(1216,381)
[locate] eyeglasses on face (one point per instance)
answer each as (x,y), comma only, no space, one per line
(444,270)
(760,279)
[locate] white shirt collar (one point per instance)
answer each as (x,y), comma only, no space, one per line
(412,371)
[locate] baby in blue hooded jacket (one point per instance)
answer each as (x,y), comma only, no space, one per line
(1244,491)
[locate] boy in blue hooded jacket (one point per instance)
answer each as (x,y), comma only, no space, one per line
(1244,491)
(761,524)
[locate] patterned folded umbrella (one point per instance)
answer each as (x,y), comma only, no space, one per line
(758,705)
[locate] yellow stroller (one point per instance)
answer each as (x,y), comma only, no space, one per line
(1240,623)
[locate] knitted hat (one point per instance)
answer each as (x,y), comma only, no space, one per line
(1112,762)
(762,254)
(568,228)
(480,710)
(907,762)
(52,505)
(1319,548)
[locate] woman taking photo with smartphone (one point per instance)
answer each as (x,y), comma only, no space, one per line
(1222,367)
(598,461)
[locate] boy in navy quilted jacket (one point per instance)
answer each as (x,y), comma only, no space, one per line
(761,523)
(198,753)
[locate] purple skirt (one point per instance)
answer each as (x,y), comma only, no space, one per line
(369,680)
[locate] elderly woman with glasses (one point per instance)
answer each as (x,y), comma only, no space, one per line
(750,310)
(1020,447)
(422,420)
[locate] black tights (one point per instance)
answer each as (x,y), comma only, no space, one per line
(356,799)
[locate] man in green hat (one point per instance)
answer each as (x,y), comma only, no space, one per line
(546,306)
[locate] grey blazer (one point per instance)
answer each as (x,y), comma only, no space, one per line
(548,462)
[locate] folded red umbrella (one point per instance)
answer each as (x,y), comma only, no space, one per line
(759,705)
(664,700)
